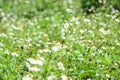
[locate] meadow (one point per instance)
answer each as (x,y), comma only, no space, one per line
(55,40)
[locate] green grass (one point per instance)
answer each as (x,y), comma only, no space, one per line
(88,46)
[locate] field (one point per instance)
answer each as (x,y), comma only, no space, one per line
(54,40)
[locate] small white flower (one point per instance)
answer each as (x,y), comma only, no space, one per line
(27,65)
(46,36)
(30,23)
(104,31)
(28,77)
(63,33)
(15,54)
(1,44)
(74,19)
(47,18)
(52,77)
(66,25)
(63,30)
(34,68)
(3,35)
(97,74)
(69,10)
(82,31)
(87,21)
(27,1)
(16,28)
(1,49)
(107,75)
(40,51)
(49,43)
(46,50)
(103,47)
(117,20)
(64,77)
(57,47)
(37,61)
(102,24)
(61,66)
(3,14)
(29,40)
(88,79)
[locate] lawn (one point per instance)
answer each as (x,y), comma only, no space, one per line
(54,40)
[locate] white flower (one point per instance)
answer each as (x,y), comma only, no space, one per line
(82,31)
(102,24)
(69,10)
(64,77)
(63,30)
(104,31)
(40,51)
(3,35)
(28,77)
(87,21)
(16,28)
(97,74)
(37,61)
(27,1)
(46,50)
(47,18)
(1,44)
(27,65)
(61,66)
(63,33)
(57,47)
(66,25)
(88,79)
(15,54)
(30,23)
(107,75)
(34,68)
(117,20)
(52,77)
(46,36)
(1,49)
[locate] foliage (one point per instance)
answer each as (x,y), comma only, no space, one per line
(91,6)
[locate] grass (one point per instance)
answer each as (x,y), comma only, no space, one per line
(66,42)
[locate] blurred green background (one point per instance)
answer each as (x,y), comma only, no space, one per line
(22,7)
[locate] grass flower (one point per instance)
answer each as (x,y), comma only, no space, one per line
(69,10)
(37,61)
(28,77)
(64,77)
(87,21)
(61,66)
(46,36)
(107,75)
(57,47)
(102,30)
(15,54)
(34,69)
(88,79)
(46,50)
(52,77)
